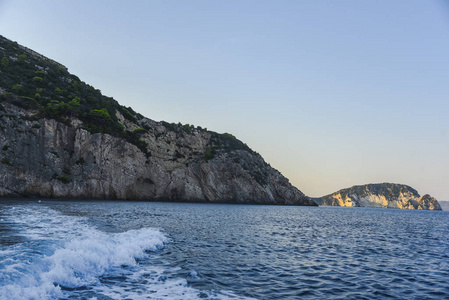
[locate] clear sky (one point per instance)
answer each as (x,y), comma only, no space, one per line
(331,93)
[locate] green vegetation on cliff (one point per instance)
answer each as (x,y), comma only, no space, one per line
(33,81)
(46,153)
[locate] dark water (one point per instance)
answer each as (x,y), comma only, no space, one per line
(123,250)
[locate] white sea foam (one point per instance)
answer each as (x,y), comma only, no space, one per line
(159,283)
(63,256)
(82,261)
(65,251)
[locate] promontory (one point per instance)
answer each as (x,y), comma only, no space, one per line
(62,138)
(382,195)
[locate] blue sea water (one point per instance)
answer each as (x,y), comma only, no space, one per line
(140,250)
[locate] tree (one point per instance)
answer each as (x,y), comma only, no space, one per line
(5,61)
(100,120)
(74,105)
(16,88)
(100,114)
(57,109)
(22,58)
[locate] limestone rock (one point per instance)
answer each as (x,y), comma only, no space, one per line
(384,195)
(45,158)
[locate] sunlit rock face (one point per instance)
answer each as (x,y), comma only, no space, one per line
(383,195)
(46,158)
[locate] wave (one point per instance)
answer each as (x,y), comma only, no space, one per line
(35,270)
(82,261)
(64,256)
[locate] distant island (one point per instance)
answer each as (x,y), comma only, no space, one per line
(444,205)
(62,138)
(382,195)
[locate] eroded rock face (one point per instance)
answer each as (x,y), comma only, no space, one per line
(385,195)
(46,158)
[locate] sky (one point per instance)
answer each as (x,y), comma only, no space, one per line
(331,93)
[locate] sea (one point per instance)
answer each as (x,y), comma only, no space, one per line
(149,250)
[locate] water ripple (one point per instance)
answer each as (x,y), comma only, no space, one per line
(268,252)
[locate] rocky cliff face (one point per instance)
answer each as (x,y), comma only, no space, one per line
(385,195)
(46,158)
(61,137)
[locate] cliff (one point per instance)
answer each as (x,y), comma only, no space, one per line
(384,195)
(61,138)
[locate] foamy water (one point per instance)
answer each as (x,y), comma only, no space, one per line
(50,256)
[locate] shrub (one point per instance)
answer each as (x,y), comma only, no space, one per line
(169,126)
(100,114)
(188,128)
(25,102)
(63,179)
(74,105)
(22,58)
(127,114)
(228,142)
(229,135)
(5,61)
(139,131)
(209,154)
(6,161)
(16,88)
(55,108)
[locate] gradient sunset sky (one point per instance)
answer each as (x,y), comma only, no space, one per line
(332,93)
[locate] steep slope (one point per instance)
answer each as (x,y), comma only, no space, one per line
(386,195)
(60,137)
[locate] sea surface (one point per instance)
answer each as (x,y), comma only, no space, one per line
(141,250)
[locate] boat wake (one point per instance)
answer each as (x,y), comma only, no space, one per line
(62,256)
